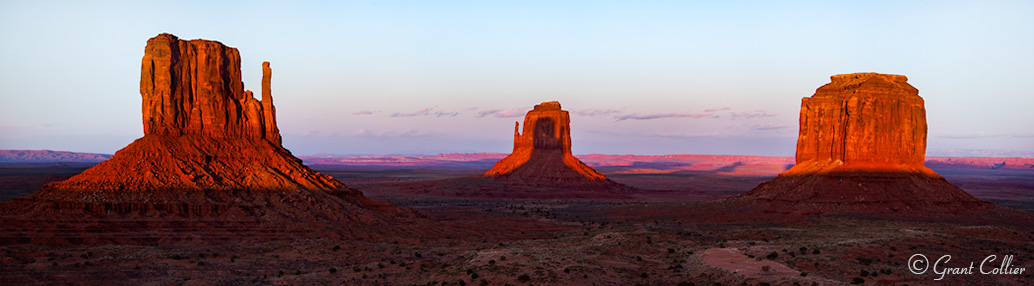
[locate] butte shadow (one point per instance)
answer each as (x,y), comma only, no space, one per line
(540,167)
(210,167)
(860,153)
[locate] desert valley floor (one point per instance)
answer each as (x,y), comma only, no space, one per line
(638,241)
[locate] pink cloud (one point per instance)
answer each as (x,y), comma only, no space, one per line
(517,112)
(596,112)
(752,114)
(637,116)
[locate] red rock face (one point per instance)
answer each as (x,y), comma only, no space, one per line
(540,167)
(194,87)
(860,150)
(862,121)
(202,130)
(211,159)
(543,152)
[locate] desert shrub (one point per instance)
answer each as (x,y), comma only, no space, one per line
(864,261)
(857,280)
(336,248)
(772,255)
(524,277)
(685,283)
(766,268)
(333,270)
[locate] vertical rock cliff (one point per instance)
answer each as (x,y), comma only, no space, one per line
(862,121)
(860,150)
(210,164)
(543,151)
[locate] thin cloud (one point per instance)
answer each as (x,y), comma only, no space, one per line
(717,109)
(404,133)
(517,112)
(752,114)
(971,135)
(596,112)
(769,126)
(426,112)
(685,134)
(361,132)
(637,116)
(421,112)
(363,112)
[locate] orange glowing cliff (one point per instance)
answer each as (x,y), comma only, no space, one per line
(861,149)
(211,160)
(543,152)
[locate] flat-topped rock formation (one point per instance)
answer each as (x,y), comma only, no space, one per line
(543,152)
(861,149)
(210,161)
(540,167)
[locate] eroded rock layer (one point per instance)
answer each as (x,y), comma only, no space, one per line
(861,149)
(210,160)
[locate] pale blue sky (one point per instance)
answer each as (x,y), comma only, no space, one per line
(640,77)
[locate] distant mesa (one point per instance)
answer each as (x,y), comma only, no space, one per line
(540,167)
(861,149)
(48,156)
(211,159)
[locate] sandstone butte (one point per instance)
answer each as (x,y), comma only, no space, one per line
(210,152)
(543,152)
(542,159)
(861,149)
(540,167)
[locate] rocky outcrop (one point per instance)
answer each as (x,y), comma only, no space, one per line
(541,167)
(211,155)
(863,122)
(543,152)
(202,130)
(860,150)
(195,88)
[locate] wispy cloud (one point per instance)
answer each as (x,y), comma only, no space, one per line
(769,126)
(421,112)
(404,133)
(685,134)
(752,114)
(516,112)
(596,112)
(717,109)
(363,112)
(361,132)
(426,112)
(637,116)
